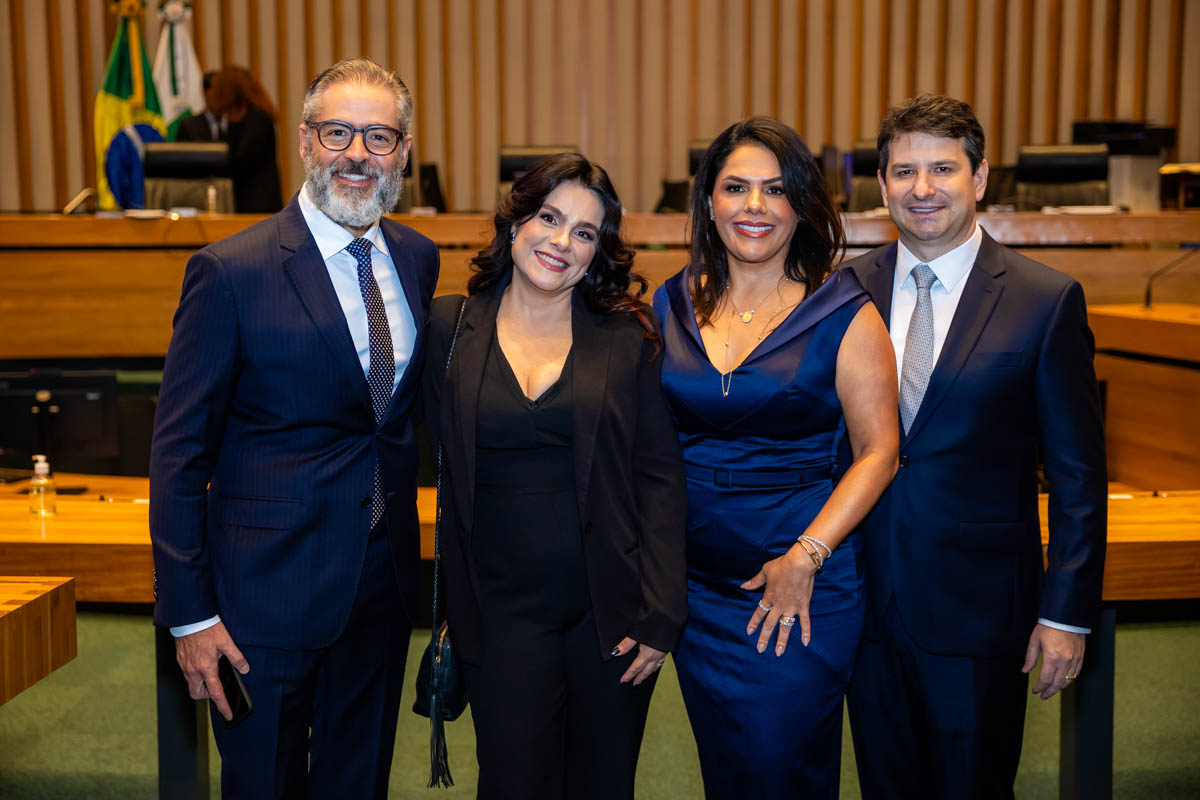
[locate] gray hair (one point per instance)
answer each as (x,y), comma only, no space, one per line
(365,72)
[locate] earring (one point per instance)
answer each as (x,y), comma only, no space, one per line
(711,215)
(513,238)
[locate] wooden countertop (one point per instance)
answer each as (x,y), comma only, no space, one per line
(1153,540)
(474,230)
(37,630)
(1167,330)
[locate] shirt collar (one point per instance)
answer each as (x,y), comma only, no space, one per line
(332,238)
(950,268)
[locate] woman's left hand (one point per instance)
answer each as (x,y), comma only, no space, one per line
(645,663)
(788,582)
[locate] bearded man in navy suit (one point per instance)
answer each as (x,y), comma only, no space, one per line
(995,361)
(283,489)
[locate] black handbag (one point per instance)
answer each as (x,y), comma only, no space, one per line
(441,690)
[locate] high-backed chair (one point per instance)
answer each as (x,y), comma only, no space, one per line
(863,166)
(1062,175)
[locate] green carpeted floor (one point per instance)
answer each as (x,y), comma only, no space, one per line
(87,731)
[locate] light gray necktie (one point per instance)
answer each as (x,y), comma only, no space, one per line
(918,348)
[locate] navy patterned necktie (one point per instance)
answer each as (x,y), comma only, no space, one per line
(382,371)
(918,348)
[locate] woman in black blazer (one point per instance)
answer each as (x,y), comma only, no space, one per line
(563,499)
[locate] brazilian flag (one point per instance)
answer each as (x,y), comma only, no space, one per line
(128,115)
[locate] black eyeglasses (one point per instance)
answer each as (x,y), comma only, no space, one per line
(380,140)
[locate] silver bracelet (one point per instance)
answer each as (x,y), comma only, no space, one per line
(804,537)
(813,553)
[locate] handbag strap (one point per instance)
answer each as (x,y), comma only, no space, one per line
(437,518)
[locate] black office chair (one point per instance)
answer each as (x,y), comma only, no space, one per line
(1062,175)
(862,164)
(431,187)
(676,197)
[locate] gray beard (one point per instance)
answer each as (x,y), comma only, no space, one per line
(351,212)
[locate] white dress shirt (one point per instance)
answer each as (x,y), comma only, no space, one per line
(951,270)
(332,239)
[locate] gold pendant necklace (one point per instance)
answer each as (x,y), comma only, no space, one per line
(747,316)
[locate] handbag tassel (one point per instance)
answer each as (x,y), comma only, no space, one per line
(439,759)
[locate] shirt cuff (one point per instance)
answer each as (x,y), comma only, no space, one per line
(195,627)
(1046,622)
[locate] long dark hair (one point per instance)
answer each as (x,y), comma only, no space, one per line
(606,286)
(818,238)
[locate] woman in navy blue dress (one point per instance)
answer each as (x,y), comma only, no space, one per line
(772,360)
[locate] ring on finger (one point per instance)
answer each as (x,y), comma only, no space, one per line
(1072,677)
(764,608)
(787,622)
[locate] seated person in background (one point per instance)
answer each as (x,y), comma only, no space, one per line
(237,96)
(206,127)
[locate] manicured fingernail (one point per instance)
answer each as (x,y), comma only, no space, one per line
(616,651)
(762,646)
(749,630)
(778,649)
(805,641)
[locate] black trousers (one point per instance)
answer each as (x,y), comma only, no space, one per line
(932,726)
(551,718)
(324,721)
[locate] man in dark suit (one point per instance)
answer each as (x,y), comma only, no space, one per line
(283,497)
(995,359)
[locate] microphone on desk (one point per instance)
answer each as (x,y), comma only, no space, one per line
(1164,270)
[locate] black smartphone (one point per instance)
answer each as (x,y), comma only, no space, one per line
(235,693)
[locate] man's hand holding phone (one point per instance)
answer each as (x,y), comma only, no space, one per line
(198,654)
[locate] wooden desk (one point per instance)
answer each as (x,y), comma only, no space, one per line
(97,311)
(1150,360)
(106,543)
(37,630)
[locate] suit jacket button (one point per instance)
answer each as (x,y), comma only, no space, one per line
(366,501)
(904,462)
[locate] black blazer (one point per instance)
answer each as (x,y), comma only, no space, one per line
(955,539)
(628,472)
(252,164)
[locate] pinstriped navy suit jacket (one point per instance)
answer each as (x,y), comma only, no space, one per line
(265,441)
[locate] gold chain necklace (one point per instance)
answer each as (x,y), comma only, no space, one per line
(746,317)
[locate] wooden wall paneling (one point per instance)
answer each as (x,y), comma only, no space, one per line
(607,94)
(449,161)
(502,78)
(639,132)
(226,33)
(1175,70)
(970,43)
(750,47)
(76,140)
(1141,55)
(622,96)
(1158,60)
(999,70)
(829,83)
(693,72)
(473,79)
(774,30)
(254,38)
(289,115)
(1053,73)
(579,132)
(885,67)
(421,149)
(368,26)
(799,49)
(856,70)
(663,115)
(1112,48)
(239,32)
(910,47)
(488,112)
(41,150)
(199,32)
(110,30)
(10,193)
(83,42)
(1025,76)
(337,29)
(296,75)
(1083,58)
(1126,57)
(1189,106)
(310,38)
(941,45)
(58,129)
(16,43)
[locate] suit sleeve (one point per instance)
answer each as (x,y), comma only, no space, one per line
(661,497)
(1068,407)
(193,404)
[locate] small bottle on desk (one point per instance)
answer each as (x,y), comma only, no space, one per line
(42,495)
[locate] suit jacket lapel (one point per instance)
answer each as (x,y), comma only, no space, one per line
(592,341)
(466,375)
(303,263)
(879,281)
(975,307)
(406,270)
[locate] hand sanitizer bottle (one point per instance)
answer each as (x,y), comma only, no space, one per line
(42,495)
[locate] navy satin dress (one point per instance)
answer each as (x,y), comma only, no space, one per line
(759,465)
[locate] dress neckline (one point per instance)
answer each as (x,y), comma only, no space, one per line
(510,375)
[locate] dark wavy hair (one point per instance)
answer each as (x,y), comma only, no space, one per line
(818,239)
(609,286)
